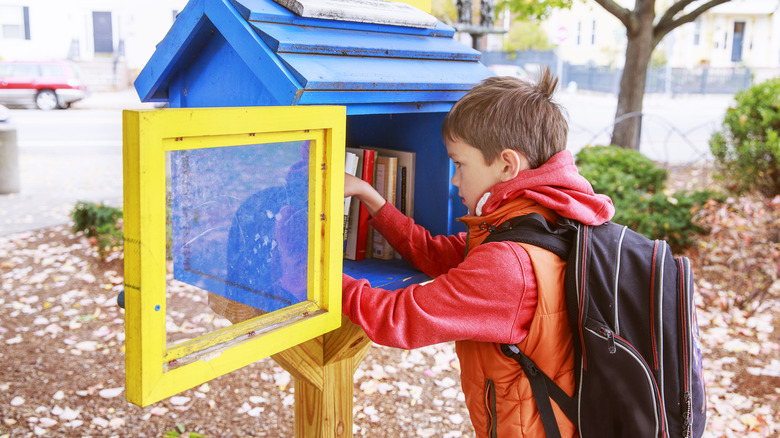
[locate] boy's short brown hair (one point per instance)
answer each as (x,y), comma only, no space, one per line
(504,112)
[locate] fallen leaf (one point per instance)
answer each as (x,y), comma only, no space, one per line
(179,400)
(17,401)
(159,411)
(111,392)
(86,345)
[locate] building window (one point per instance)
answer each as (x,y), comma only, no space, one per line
(696,31)
(15,22)
(737,41)
(593,33)
(579,33)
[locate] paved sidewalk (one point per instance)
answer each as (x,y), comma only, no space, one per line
(123,99)
(55,177)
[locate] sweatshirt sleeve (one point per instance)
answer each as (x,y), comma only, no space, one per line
(433,255)
(489,297)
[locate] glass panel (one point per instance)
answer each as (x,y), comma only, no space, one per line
(237,230)
(52,70)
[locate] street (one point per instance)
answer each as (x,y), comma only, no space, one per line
(76,155)
(675,130)
(66,156)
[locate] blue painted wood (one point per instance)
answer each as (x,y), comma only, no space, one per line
(290,78)
(296,39)
(271,12)
(322,72)
(268,68)
(382,102)
(214,57)
(419,133)
(387,274)
(212,78)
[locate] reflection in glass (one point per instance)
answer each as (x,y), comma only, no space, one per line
(239,221)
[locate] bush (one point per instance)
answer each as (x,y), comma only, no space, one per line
(636,186)
(747,148)
(99,223)
(622,171)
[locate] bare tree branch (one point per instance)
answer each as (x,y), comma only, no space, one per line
(674,9)
(622,14)
(664,27)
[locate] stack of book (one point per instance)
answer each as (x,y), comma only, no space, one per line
(391,173)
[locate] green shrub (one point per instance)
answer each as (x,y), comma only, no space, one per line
(636,186)
(619,169)
(747,148)
(99,223)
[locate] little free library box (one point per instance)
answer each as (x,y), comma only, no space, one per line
(237,188)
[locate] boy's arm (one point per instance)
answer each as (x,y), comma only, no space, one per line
(365,192)
(432,255)
(490,297)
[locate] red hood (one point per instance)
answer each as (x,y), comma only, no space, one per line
(558,186)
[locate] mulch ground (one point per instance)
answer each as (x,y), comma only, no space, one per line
(62,348)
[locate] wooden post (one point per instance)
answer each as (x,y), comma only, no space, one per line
(323,369)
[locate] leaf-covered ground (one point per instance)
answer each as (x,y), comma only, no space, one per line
(62,341)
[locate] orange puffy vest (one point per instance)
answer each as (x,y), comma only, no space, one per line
(498,395)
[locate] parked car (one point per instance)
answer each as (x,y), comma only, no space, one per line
(510,70)
(45,84)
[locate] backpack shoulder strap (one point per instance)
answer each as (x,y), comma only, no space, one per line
(533,229)
(543,389)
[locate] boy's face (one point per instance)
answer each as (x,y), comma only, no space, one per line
(473,176)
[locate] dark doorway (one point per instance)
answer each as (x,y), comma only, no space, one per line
(739,36)
(103,33)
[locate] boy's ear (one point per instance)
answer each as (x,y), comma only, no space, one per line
(513,163)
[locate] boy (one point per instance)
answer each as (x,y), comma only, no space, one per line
(507,139)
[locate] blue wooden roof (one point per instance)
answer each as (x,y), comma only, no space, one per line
(279,58)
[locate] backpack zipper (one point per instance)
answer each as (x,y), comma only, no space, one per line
(687,347)
(617,341)
(617,278)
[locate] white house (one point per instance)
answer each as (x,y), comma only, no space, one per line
(100,35)
(739,33)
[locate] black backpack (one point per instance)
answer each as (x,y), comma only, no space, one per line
(636,339)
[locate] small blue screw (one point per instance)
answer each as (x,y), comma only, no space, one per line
(157,308)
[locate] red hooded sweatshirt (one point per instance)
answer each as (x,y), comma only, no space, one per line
(486,293)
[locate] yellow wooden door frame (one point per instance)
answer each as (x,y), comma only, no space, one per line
(155,370)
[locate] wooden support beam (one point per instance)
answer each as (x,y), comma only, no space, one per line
(323,369)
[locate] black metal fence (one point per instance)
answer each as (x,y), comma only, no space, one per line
(701,80)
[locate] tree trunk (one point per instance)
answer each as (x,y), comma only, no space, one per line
(628,120)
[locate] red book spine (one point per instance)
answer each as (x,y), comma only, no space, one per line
(368,176)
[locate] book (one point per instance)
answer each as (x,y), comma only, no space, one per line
(404,179)
(357,235)
(384,183)
(350,167)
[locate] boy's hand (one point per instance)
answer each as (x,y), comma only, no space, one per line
(354,186)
